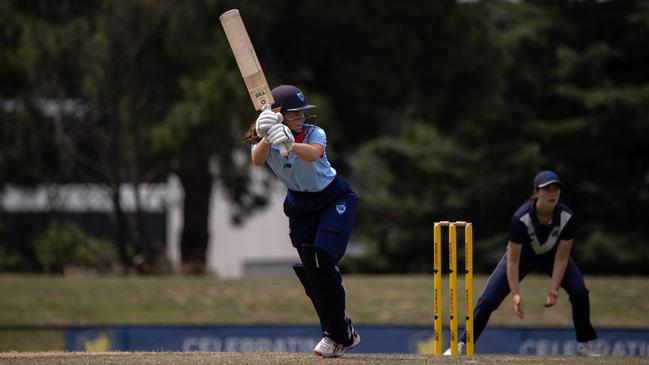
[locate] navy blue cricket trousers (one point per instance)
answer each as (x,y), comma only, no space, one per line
(497,289)
(320,225)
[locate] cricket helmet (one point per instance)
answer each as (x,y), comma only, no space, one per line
(289,99)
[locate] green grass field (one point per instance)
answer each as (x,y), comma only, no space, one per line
(33,301)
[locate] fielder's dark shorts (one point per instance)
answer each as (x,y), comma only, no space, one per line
(323,219)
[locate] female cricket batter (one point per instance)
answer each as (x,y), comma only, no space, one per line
(540,237)
(320,205)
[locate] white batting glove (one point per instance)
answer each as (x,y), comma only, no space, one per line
(279,134)
(267,119)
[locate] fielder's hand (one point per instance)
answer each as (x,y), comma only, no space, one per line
(516,298)
(266,120)
(551,298)
(280,134)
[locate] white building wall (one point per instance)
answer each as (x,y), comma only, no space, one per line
(262,238)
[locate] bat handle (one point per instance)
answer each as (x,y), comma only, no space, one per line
(283,151)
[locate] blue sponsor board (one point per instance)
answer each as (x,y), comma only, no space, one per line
(534,341)
(375,339)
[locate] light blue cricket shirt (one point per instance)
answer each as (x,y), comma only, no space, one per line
(300,175)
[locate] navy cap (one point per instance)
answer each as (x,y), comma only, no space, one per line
(290,99)
(545,178)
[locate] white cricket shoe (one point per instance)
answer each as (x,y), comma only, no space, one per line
(330,348)
(586,349)
(461,349)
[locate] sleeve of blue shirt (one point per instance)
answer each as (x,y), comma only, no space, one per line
(318,136)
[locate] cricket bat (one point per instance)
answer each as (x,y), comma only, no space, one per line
(246,57)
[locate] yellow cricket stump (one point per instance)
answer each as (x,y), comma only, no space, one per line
(437,288)
(437,285)
(468,287)
(452,287)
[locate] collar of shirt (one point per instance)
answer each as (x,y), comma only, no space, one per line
(299,138)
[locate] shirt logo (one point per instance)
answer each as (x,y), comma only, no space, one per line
(340,208)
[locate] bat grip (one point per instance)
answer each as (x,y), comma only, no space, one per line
(283,151)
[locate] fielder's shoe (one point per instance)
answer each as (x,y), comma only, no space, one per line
(330,348)
(586,349)
(461,349)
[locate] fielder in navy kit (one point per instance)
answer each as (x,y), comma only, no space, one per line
(320,205)
(540,237)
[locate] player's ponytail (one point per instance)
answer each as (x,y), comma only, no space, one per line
(251,136)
